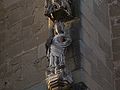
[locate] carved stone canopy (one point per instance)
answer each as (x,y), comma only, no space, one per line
(58,10)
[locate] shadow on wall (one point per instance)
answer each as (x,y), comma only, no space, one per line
(75,4)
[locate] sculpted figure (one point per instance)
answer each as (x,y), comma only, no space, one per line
(58,11)
(56,51)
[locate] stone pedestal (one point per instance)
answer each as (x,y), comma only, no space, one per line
(57,82)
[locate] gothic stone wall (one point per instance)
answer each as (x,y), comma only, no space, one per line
(23,31)
(115,27)
(92,35)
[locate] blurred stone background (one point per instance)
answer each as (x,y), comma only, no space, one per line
(93,57)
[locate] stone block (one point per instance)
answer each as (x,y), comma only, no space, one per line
(117,84)
(69,52)
(97,74)
(14,70)
(76,53)
(117,72)
(3,70)
(89,29)
(87,52)
(105,46)
(6,84)
(30,75)
(70,64)
(75,29)
(27,7)
(13,17)
(114,10)
(116,32)
(39,28)
(29,43)
(104,72)
(93,20)
(27,21)
(89,4)
(106,86)
(13,35)
(116,45)
(41,65)
(109,63)
(116,56)
(41,50)
(39,16)
(15,49)
(2,25)
(2,37)
(100,9)
(39,3)
(1,58)
(39,86)
(86,65)
(41,37)
(27,33)
(82,76)
(92,44)
(77,76)
(10,2)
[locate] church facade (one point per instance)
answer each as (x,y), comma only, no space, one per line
(24,30)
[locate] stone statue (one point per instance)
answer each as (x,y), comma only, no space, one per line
(58,11)
(57,45)
(57,52)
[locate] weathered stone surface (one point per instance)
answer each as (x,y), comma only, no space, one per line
(114,12)
(82,76)
(3,70)
(97,25)
(89,29)
(117,84)
(13,35)
(86,65)
(117,72)
(104,46)
(16,48)
(22,32)
(40,86)
(70,64)
(29,43)
(101,68)
(13,17)
(29,73)
(23,63)
(116,33)
(114,9)
(116,45)
(75,29)
(87,52)
(2,37)
(27,21)
(116,56)
(27,7)
(41,51)
(2,25)
(10,2)
(100,9)
(109,63)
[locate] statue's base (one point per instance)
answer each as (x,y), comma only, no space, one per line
(59,14)
(56,82)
